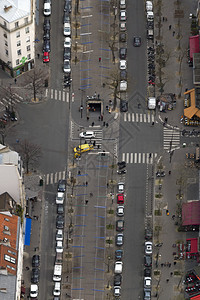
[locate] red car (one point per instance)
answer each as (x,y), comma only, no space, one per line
(46,57)
(120,199)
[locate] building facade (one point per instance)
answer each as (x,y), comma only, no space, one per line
(17,34)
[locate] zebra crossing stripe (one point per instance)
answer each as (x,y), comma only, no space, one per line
(59,95)
(47,179)
(63,96)
(140,117)
(135,157)
(51,178)
(145,118)
(56,94)
(125,117)
(123,156)
(133,117)
(139,158)
(136,117)
(51,93)
(131,158)
(129,117)
(149,118)
(143,158)
(127,157)
(46,93)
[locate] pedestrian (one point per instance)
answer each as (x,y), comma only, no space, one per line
(79,172)
(169,172)
(174,263)
(92,124)
(173,217)
(107,185)
(94,143)
(91,194)
(95,94)
(170,27)
(139,105)
(88,118)
(161,265)
(101,117)
(27,268)
(169,265)
(106,124)
(149,155)
(166,119)
(38,55)
(86,202)
(171,273)
(98,96)
(15,80)
(67,277)
(17,141)
(152,123)
(167,280)
(86,183)
(163,19)
(173,33)
(99,59)
(98,146)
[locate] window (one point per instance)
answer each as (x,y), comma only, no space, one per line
(10,258)
(6,52)
(17,34)
(17,62)
(5,24)
(27,30)
(18,43)
(16,24)
(28,56)
(6,219)
(6,227)
(6,44)
(19,52)
(26,20)
(28,48)
(9,267)
(28,39)
(5,35)
(12,252)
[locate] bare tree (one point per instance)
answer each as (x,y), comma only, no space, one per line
(113,83)
(30,153)
(35,80)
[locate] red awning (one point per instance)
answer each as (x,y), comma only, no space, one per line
(194,45)
(191,213)
(195,297)
(193,245)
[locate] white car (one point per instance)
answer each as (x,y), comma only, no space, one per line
(66,66)
(122,26)
(67,29)
(59,235)
(56,290)
(148,248)
(34,291)
(47,9)
(118,267)
(122,15)
(147,282)
(60,198)
(149,6)
(59,246)
(87,134)
(67,42)
(117,291)
(120,187)
(120,211)
(122,64)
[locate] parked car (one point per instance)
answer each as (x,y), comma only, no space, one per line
(47,9)
(147,294)
(47,46)
(147,272)
(147,282)
(67,53)
(68,6)
(66,17)
(46,57)
(122,26)
(60,198)
(122,15)
(148,234)
(119,225)
(33,291)
(149,6)
(59,246)
(148,248)
(120,210)
(117,279)
(120,187)
(120,199)
(122,53)
(122,64)
(35,275)
(117,291)
(121,165)
(46,35)
(66,66)
(118,267)
(123,75)
(60,222)
(123,106)
(67,42)
(122,4)
(59,235)
(87,134)
(47,24)
(122,37)
(60,209)
(137,41)
(118,254)
(35,261)
(67,29)
(61,185)
(119,239)
(147,261)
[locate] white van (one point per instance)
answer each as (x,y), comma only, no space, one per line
(57,272)
(122,4)
(56,291)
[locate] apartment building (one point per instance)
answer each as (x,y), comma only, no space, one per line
(17,35)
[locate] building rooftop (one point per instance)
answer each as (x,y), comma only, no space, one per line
(7,287)
(13,10)
(9,174)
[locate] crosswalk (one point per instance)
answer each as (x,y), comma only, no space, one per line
(171,139)
(52,178)
(139,158)
(139,118)
(6,101)
(58,95)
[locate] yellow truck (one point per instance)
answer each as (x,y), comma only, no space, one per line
(81,149)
